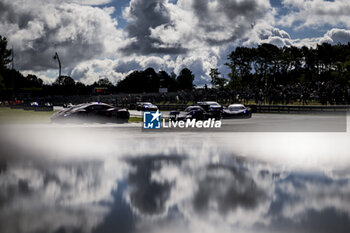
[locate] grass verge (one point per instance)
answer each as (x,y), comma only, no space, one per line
(134,119)
(19,116)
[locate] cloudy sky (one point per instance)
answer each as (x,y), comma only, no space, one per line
(110,38)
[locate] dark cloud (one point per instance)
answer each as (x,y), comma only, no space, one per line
(232,19)
(127,66)
(144,16)
(8,14)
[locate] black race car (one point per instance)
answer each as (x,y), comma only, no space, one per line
(146,106)
(191,112)
(68,105)
(236,111)
(212,108)
(91,112)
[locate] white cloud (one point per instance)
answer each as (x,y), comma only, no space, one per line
(314,13)
(336,35)
(199,62)
(90,2)
(194,33)
(78,33)
(267,34)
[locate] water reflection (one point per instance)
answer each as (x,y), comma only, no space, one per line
(45,197)
(183,189)
(148,196)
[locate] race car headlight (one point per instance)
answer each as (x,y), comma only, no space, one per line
(245,111)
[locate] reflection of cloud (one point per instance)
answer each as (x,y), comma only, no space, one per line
(314,194)
(211,197)
(68,183)
(37,198)
(227,189)
(241,196)
(147,196)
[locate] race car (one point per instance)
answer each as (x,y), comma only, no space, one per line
(91,112)
(191,112)
(212,108)
(68,105)
(146,106)
(236,111)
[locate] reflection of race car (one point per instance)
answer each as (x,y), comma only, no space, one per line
(146,106)
(212,108)
(92,112)
(236,111)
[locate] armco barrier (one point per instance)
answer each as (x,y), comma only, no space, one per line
(275,108)
(179,107)
(43,109)
(17,106)
(266,108)
(162,107)
(298,108)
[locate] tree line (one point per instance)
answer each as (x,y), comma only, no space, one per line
(269,65)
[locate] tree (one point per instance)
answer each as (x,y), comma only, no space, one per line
(216,80)
(241,63)
(64,85)
(214,75)
(131,83)
(34,81)
(64,81)
(167,81)
(103,82)
(185,79)
(5,54)
(5,59)
(150,80)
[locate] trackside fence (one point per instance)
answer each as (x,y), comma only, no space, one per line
(298,108)
(267,108)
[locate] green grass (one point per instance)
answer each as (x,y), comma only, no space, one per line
(19,116)
(135,119)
